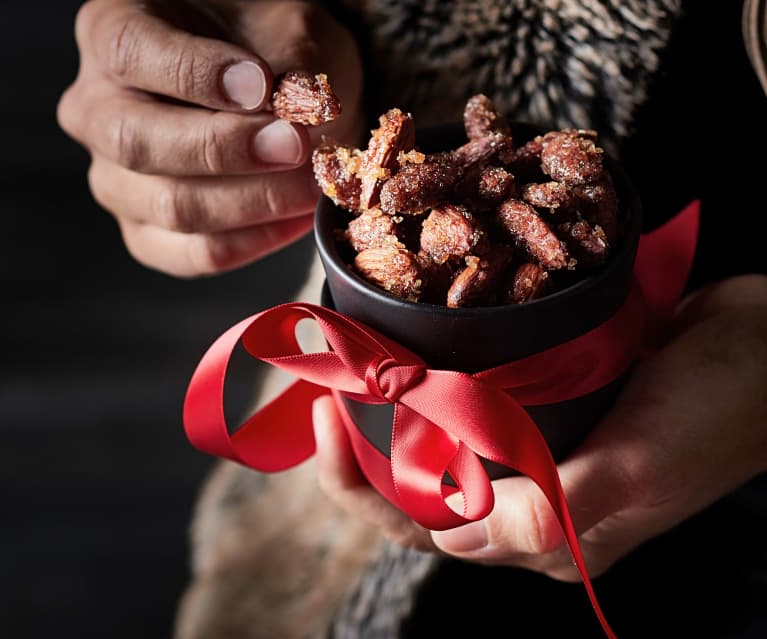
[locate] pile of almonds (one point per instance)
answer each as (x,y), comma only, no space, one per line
(494,221)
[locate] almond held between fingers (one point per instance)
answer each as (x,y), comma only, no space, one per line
(305,98)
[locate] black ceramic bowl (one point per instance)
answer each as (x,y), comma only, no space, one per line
(474,339)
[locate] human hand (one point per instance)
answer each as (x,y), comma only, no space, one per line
(690,426)
(200,177)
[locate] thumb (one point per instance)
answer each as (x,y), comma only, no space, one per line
(302,36)
(142,50)
(524,523)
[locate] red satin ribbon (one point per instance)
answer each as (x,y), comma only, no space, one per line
(444,421)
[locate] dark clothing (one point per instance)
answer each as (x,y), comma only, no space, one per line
(700,135)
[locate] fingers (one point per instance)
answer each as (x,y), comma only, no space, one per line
(147,136)
(336,466)
(202,205)
(197,179)
(191,255)
(523,529)
(342,481)
(144,52)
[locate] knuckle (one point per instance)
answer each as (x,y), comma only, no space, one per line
(638,477)
(125,141)
(213,149)
(172,212)
(85,22)
(66,113)
(122,46)
(190,71)
(135,249)
(211,254)
(272,201)
(540,538)
(96,188)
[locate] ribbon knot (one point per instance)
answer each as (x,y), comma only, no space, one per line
(387,379)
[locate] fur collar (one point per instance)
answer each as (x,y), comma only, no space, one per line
(556,63)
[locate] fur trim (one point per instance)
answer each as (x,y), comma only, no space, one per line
(272,557)
(385,595)
(556,63)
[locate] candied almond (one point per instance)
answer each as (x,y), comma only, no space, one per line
(485,149)
(417,187)
(571,156)
(335,172)
(394,269)
(480,117)
(483,189)
(528,282)
(585,243)
(395,135)
(446,228)
(549,195)
(305,98)
(599,205)
(532,234)
(476,283)
(451,232)
(372,229)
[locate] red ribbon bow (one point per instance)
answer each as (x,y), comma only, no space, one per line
(444,421)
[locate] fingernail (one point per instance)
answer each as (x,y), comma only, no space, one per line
(466,538)
(278,143)
(245,84)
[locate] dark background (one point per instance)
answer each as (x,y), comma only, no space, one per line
(97,480)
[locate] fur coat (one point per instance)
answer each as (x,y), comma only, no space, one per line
(272,558)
